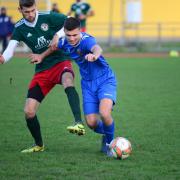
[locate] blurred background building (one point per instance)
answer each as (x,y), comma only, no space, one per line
(154,24)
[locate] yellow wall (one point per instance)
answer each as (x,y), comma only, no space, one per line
(153,11)
(161,10)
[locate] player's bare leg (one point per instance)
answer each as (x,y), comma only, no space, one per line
(33,125)
(106,126)
(74,102)
(108,123)
(93,121)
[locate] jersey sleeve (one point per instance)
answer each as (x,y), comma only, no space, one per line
(88,7)
(57,19)
(16,35)
(89,42)
(61,43)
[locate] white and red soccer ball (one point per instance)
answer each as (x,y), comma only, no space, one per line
(120,148)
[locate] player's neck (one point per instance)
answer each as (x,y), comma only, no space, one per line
(32,24)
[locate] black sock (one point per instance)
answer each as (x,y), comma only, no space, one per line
(74,103)
(34,128)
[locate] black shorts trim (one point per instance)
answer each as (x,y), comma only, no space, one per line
(35,93)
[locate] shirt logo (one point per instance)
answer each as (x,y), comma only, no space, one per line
(106,94)
(29,35)
(79,52)
(42,42)
(44,27)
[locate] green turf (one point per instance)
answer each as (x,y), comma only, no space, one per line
(147,113)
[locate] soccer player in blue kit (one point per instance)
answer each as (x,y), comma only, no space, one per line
(98,81)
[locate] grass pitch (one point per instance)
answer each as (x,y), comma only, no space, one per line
(147,113)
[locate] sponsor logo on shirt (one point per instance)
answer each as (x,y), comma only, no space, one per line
(106,94)
(42,42)
(29,35)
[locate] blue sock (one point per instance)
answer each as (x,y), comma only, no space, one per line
(99,128)
(109,132)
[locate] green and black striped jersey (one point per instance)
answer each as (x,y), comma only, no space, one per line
(79,9)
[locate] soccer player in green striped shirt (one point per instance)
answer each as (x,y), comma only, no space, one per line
(37,29)
(82,11)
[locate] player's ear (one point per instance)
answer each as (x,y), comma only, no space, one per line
(19,9)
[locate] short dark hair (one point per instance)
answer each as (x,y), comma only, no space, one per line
(3,8)
(26,3)
(71,23)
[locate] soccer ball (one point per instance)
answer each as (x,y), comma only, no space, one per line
(120,148)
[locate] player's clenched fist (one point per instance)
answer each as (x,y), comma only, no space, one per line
(1,59)
(35,58)
(90,57)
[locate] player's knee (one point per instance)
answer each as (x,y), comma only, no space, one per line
(68,83)
(91,122)
(91,125)
(29,113)
(67,80)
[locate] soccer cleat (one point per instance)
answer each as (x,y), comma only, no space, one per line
(76,129)
(34,148)
(105,147)
(109,152)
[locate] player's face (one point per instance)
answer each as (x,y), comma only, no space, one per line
(29,13)
(73,36)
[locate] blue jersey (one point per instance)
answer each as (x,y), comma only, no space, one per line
(88,70)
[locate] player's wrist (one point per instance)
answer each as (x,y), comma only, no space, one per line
(2,60)
(42,56)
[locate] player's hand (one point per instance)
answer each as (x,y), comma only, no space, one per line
(2,60)
(54,43)
(90,57)
(35,58)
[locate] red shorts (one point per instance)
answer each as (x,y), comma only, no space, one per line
(47,79)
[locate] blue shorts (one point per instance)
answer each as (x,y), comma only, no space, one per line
(95,90)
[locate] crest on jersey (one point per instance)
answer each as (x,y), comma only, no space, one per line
(79,52)
(44,27)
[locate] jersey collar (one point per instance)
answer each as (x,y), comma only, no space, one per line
(32,24)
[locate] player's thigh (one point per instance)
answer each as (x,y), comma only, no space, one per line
(66,73)
(67,79)
(105,107)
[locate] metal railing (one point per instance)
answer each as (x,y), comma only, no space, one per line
(122,33)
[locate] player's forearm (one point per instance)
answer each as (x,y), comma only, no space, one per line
(46,53)
(9,52)
(97,51)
